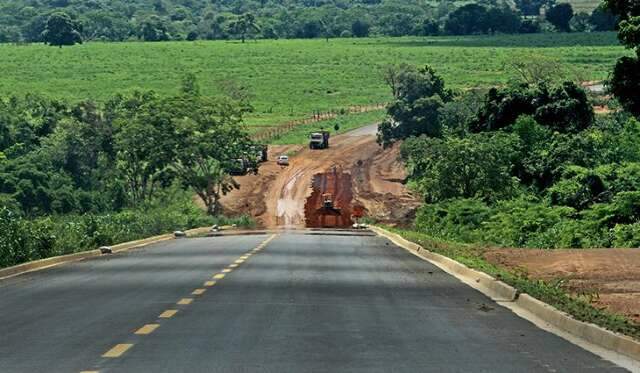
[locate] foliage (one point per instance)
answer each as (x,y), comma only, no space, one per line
(244,25)
(61,158)
(601,19)
(61,30)
(564,108)
(531,167)
(476,166)
(22,239)
(209,140)
(478,19)
(419,94)
(119,20)
(154,28)
(625,79)
(560,15)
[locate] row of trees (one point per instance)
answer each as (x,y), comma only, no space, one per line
(528,164)
(58,158)
(158,20)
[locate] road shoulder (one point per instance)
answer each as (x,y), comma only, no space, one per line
(617,348)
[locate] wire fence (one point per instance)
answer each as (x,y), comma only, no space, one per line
(269,132)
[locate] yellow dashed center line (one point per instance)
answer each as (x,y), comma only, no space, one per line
(147,329)
(168,314)
(117,350)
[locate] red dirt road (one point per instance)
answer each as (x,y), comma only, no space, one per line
(276,197)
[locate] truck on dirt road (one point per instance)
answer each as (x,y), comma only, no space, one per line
(319,140)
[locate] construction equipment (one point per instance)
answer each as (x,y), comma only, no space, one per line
(239,167)
(261,151)
(327,202)
(319,140)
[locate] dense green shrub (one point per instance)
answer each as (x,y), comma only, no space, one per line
(456,220)
(476,166)
(23,239)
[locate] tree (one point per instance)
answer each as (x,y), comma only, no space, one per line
(61,30)
(468,19)
(560,15)
(625,79)
(430,27)
(601,19)
(154,28)
(145,145)
(244,25)
(477,166)
(564,108)
(580,22)
(419,94)
(360,29)
(503,19)
(209,142)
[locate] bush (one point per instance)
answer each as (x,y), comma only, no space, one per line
(23,240)
(477,166)
(456,220)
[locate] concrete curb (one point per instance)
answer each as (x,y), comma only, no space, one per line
(41,264)
(591,333)
(592,337)
(494,289)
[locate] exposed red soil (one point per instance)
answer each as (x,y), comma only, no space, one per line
(276,197)
(334,186)
(610,276)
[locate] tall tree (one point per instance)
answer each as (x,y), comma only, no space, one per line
(244,25)
(419,95)
(560,15)
(625,79)
(61,30)
(154,28)
(209,143)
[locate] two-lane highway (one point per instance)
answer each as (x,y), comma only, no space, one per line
(295,302)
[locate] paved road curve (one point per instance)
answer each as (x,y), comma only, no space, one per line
(298,303)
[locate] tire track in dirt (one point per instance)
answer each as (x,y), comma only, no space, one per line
(375,173)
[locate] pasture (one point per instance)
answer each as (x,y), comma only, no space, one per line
(290,79)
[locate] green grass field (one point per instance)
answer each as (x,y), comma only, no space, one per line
(291,78)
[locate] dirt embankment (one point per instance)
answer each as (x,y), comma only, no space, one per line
(372,177)
(610,277)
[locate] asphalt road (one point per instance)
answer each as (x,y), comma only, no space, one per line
(302,303)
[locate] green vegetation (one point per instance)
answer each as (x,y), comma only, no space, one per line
(625,80)
(548,292)
(526,165)
(290,79)
(23,240)
(157,20)
(77,175)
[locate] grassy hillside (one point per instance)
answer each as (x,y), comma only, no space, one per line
(290,78)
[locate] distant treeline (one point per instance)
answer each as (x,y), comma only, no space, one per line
(159,20)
